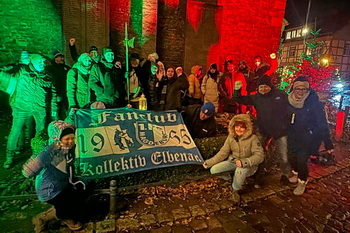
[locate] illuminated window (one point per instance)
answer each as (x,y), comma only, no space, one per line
(288,35)
(308,51)
(293,34)
(292,50)
(347,49)
(299,33)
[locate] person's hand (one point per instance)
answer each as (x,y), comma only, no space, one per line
(118,65)
(330,151)
(151,58)
(273,55)
(238,85)
(238,163)
(73,111)
(205,165)
(72,41)
(129,106)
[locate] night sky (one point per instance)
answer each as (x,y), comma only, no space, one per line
(296,10)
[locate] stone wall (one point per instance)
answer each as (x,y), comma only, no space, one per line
(88,22)
(34,25)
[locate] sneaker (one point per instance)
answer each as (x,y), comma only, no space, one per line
(284,180)
(71,224)
(236,197)
(300,189)
(294,178)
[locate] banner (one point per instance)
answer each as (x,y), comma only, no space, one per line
(118,141)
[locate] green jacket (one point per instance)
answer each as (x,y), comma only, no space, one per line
(78,90)
(29,90)
(246,148)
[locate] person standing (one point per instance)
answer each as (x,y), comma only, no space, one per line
(308,128)
(31,91)
(210,86)
(271,105)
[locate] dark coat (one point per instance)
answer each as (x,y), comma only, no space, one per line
(173,95)
(272,109)
(308,127)
(199,128)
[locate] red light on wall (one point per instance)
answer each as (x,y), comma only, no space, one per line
(195,12)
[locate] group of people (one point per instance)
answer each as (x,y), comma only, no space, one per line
(295,122)
(41,92)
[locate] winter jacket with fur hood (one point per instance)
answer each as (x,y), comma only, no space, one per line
(246,148)
(52,167)
(195,87)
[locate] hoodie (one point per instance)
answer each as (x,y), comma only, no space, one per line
(52,168)
(195,87)
(246,148)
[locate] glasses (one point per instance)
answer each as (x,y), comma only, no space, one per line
(301,89)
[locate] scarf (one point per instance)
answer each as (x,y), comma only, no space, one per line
(297,103)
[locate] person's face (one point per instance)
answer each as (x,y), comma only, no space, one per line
(154,69)
(203,116)
(240,130)
(242,66)
(199,72)
(264,89)
(212,70)
(87,63)
(170,73)
(59,59)
(179,71)
(300,92)
(257,62)
(94,55)
(109,56)
(135,62)
(68,141)
(230,67)
(39,64)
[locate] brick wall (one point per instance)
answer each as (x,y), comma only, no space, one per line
(88,22)
(171,32)
(34,25)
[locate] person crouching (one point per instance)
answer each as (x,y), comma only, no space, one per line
(241,153)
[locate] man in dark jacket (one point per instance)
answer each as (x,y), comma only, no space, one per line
(107,81)
(58,71)
(271,105)
(29,92)
(200,120)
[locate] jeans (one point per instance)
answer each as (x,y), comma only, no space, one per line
(20,117)
(240,173)
(282,151)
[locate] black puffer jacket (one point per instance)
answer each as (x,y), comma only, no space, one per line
(272,109)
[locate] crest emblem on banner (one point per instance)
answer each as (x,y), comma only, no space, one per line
(150,134)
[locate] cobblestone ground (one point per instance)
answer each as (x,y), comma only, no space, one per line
(206,206)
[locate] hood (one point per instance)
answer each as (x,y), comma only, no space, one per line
(246,119)
(55,129)
(194,69)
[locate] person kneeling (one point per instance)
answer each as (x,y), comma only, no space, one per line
(241,153)
(53,172)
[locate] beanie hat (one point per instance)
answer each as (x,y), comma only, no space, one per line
(213,66)
(57,53)
(106,50)
(83,56)
(240,123)
(302,82)
(208,108)
(265,80)
(93,48)
(66,131)
(134,56)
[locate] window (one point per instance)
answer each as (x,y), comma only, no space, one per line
(292,51)
(293,34)
(288,35)
(347,49)
(299,33)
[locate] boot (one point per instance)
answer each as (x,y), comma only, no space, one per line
(40,221)
(236,197)
(9,158)
(73,225)
(300,189)
(294,177)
